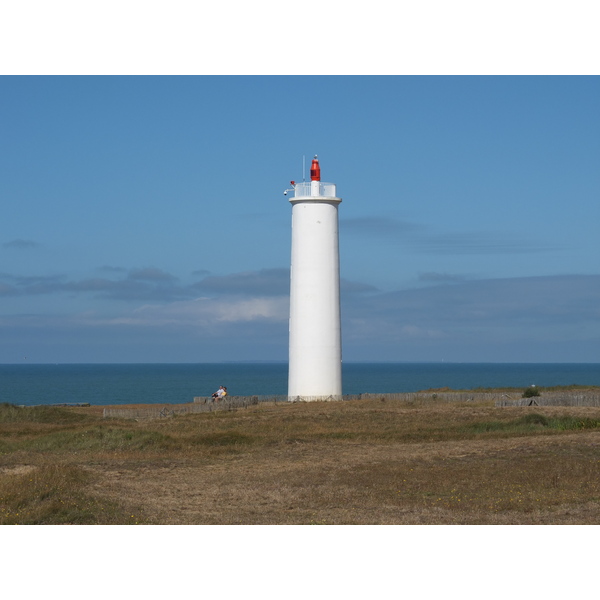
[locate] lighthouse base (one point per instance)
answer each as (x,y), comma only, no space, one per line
(330,398)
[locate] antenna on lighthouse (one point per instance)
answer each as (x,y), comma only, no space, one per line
(303,167)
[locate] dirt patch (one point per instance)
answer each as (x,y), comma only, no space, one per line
(17,469)
(354,484)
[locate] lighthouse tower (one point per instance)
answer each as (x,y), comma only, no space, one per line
(315,361)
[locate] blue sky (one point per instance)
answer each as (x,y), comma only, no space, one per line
(143,218)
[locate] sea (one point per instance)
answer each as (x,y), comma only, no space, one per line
(114,384)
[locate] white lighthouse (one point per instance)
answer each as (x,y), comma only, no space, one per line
(315,361)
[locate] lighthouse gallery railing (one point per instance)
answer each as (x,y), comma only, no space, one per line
(305,189)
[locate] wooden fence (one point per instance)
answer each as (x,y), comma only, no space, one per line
(205,404)
(560,398)
(169,410)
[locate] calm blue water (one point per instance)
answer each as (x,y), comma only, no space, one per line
(175,384)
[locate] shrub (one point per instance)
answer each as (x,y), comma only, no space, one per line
(531,392)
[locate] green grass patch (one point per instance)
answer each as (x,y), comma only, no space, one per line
(222,438)
(5,447)
(99,438)
(10,413)
(534,422)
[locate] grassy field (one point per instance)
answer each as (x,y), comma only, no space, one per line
(354,462)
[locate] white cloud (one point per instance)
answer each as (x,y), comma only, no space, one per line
(202,312)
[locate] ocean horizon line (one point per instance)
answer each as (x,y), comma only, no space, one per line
(285,362)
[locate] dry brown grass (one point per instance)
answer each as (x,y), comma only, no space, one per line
(357,462)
